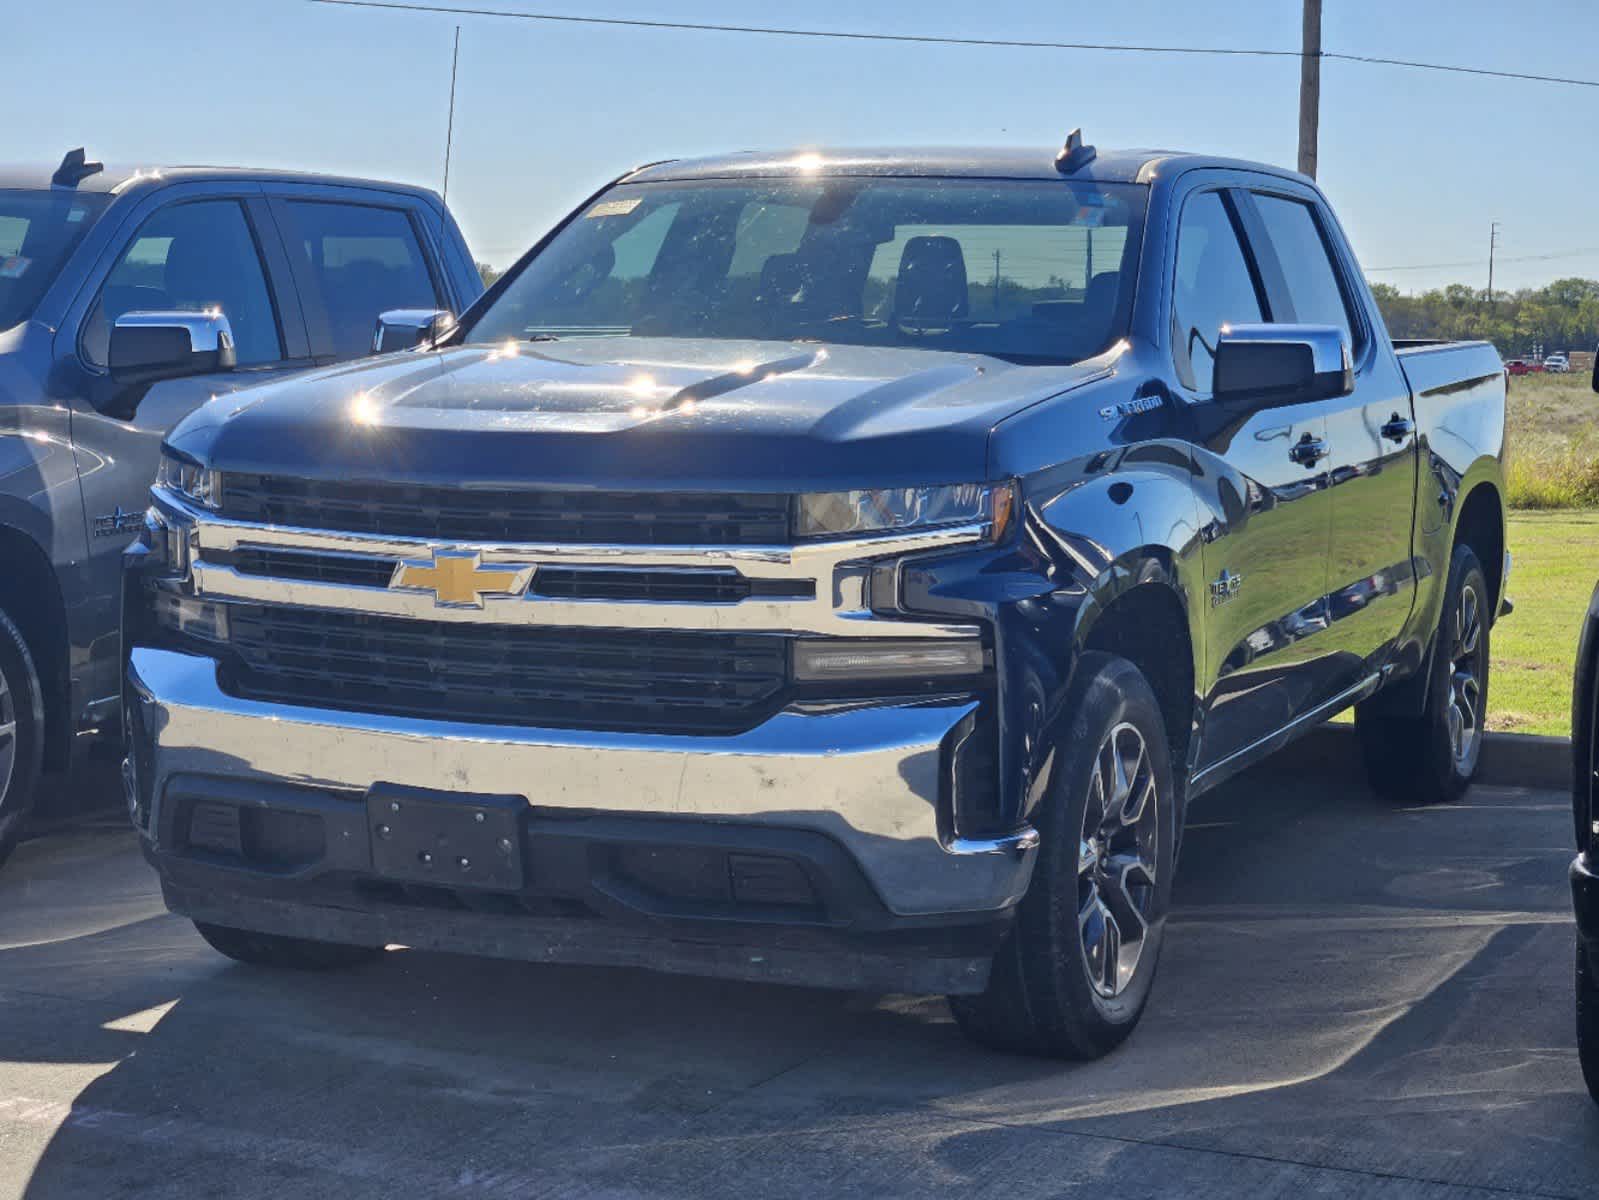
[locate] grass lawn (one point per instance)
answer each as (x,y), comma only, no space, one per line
(1535,648)
(1553,427)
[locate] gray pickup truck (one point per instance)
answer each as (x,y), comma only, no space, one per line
(775,569)
(128,298)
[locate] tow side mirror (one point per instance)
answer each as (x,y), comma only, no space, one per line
(1268,366)
(147,347)
(408,328)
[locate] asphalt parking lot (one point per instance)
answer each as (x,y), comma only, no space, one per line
(1356,1000)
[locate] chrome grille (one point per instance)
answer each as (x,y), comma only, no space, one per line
(556,678)
(656,585)
(489,516)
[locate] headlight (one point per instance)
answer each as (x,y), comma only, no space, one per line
(168,539)
(838,514)
(190,480)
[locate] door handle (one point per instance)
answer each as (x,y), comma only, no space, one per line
(1308,451)
(1398,428)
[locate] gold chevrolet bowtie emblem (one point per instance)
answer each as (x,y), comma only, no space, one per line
(458,579)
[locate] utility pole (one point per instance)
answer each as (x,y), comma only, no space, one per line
(1493,243)
(996,281)
(449,129)
(1310,88)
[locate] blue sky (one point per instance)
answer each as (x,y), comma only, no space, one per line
(1416,163)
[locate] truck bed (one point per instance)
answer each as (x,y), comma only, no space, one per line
(1431,365)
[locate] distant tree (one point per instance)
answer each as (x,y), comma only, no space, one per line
(489,274)
(1561,316)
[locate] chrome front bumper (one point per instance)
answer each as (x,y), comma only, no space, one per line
(865,774)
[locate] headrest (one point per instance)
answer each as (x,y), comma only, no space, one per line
(782,279)
(190,274)
(932,281)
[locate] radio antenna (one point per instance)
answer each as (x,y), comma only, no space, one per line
(449,129)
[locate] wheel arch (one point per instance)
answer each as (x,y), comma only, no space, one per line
(1142,616)
(1481,525)
(31,596)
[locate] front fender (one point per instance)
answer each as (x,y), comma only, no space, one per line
(1089,535)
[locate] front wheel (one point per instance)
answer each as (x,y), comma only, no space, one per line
(1432,757)
(21,734)
(1074,974)
(274,950)
(1588,1023)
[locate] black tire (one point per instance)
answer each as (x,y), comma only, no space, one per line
(273,950)
(1416,760)
(1588,1023)
(21,735)
(1042,997)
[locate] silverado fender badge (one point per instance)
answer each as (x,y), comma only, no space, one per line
(1225,588)
(119,520)
(1130,408)
(458,578)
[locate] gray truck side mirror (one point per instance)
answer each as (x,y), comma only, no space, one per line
(151,346)
(1596,369)
(408,328)
(1268,366)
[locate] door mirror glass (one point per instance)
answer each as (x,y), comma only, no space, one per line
(1267,366)
(408,328)
(150,346)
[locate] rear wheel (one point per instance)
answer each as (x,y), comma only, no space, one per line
(1075,972)
(273,950)
(1432,757)
(21,734)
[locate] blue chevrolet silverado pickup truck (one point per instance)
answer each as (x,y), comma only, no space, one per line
(773,571)
(102,272)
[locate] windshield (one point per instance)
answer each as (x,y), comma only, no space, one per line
(38,229)
(1033,271)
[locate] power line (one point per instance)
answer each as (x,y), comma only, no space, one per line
(1427,66)
(938,40)
(1477,262)
(779,31)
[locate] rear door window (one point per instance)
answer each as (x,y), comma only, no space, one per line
(364,259)
(190,257)
(1307,268)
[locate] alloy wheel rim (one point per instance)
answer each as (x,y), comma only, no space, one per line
(1464,715)
(8,737)
(1116,861)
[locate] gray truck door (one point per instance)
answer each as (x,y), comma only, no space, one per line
(1265,562)
(1371,463)
(190,253)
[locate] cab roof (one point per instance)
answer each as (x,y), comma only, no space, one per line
(986,162)
(122,178)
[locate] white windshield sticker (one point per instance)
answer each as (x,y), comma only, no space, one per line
(614,208)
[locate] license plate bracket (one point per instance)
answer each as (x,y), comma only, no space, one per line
(447,839)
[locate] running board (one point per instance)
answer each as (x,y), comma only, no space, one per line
(1242,760)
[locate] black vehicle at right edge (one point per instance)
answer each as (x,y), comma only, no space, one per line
(771,573)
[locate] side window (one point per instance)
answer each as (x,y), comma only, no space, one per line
(1213,287)
(189,257)
(1301,250)
(364,260)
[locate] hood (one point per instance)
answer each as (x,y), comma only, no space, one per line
(628,412)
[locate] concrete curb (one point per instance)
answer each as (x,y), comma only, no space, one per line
(1508,759)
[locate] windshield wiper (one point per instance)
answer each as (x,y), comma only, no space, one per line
(541,337)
